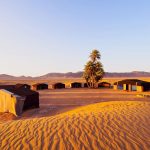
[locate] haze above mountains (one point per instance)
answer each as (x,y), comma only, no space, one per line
(133,74)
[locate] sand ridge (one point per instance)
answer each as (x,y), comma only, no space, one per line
(107,125)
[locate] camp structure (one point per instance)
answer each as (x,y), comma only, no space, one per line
(7,87)
(76,85)
(17,86)
(31,98)
(16,100)
(104,85)
(58,86)
(85,85)
(22,86)
(39,86)
(10,102)
(132,85)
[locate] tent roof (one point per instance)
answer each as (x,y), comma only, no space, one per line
(58,83)
(23,92)
(76,83)
(21,85)
(18,91)
(104,83)
(36,84)
(7,87)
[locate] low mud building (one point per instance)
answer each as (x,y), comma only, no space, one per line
(85,85)
(57,86)
(104,85)
(76,85)
(39,86)
(132,85)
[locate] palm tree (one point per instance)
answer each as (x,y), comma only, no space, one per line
(93,71)
(95,55)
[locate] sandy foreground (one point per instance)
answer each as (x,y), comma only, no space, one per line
(113,125)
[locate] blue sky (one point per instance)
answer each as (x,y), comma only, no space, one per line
(41,36)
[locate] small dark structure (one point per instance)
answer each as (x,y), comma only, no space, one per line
(58,86)
(40,86)
(7,87)
(76,85)
(31,97)
(132,85)
(104,85)
(22,86)
(17,86)
(85,85)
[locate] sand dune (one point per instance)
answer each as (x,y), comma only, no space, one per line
(107,125)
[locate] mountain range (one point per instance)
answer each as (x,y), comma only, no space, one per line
(133,74)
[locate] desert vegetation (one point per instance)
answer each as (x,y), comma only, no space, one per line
(93,71)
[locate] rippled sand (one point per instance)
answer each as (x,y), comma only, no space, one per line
(107,125)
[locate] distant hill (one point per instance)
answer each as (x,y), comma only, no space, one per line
(128,74)
(10,77)
(107,74)
(133,74)
(62,75)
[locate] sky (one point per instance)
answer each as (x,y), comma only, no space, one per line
(42,36)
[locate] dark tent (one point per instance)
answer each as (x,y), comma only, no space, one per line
(7,87)
(76,85)
(40,86)
(129,81)
(17,86)
(85,85)
(31,97)
(104,85)
(134,83)
(58,86)
(22,86)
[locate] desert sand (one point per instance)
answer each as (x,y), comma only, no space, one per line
(107,125)
(117,121)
